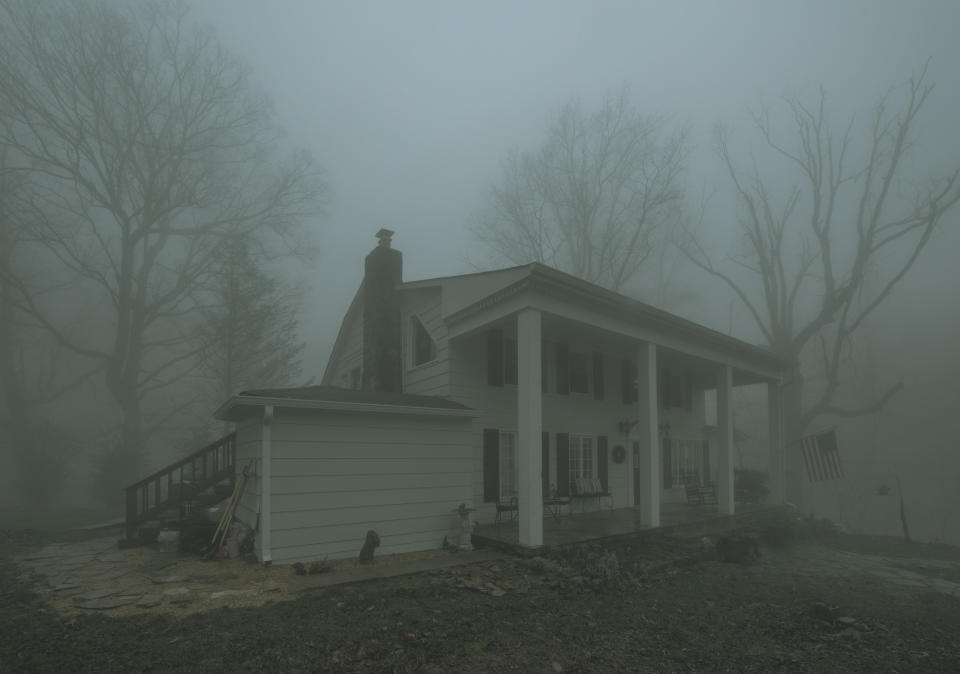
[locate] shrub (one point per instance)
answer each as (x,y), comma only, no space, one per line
(750,486)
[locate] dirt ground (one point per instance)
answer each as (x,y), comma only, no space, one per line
(837,604)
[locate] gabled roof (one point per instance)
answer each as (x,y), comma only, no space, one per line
(339,399)
(575,290)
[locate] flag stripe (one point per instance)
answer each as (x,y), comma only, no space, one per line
(821,456)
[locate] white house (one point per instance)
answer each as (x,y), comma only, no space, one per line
(479,387)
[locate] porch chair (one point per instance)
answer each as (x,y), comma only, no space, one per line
(698,494)
(591,488)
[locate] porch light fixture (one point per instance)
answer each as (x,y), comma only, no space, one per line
(626,426)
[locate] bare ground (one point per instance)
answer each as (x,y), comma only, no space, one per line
(839,604)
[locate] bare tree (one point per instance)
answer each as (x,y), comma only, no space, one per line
(820,259)
(249,329)
(32,372)
(147,147)
(591,200)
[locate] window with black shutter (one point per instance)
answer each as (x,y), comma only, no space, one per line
(603,463)
(579,379)
(628,382)
(495,357)
(562,370)
(563,464)
(491,465)
(597,375)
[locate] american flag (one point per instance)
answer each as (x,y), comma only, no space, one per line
(822,456)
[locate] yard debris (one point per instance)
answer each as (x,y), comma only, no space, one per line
(150,600)
(105,603)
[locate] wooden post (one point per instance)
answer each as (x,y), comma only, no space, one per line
(529,425)
(648,434)
(725,491)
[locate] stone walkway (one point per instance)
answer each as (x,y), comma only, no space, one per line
(94,575)
(889,570)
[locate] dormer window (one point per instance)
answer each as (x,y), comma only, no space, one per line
(424,348)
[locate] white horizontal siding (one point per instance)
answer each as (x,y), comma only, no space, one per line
(334,484)
(337,475)
(373,467)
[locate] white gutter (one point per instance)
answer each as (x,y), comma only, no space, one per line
(266,470)
(338,406)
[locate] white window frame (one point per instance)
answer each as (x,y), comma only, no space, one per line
(578,462)
(414,321)
(508,459)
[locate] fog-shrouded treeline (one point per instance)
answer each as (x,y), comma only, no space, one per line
(154,222)
(145,201)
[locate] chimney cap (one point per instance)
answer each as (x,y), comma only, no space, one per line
(384,236)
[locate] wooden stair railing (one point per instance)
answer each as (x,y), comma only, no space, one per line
(165,489)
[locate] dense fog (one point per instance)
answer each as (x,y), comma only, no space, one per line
(330,120)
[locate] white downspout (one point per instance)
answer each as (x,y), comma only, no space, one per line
(266,469)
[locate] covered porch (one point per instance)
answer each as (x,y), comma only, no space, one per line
(603,525)
(585,382)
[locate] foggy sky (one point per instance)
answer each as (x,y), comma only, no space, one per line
(410,106)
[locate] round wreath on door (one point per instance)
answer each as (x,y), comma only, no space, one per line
(619,453)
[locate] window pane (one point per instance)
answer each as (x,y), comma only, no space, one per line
(424,348)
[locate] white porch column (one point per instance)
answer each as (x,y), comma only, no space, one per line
(777,456)
(648,434)
(725,493)
(529,424)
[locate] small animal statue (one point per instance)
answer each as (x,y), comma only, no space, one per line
(738,549)
(366,552)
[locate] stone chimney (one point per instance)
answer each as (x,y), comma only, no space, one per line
(382,359)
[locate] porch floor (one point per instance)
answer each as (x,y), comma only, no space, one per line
(599,525)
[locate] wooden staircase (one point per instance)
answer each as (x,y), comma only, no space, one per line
(207,475)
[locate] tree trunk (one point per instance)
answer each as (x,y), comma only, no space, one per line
(792,432)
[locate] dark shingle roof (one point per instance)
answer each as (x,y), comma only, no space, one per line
(345,395)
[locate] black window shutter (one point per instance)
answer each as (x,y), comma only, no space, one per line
(495,358)
(666,400)
(491,464)
(563,369)
(597,375)
(705,458)
(510,362)
(626,382)
(545,463)
(544,362)
(563,464)
(602,462)
(688,392)
(667,458)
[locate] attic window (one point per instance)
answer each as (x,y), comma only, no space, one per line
(424,348)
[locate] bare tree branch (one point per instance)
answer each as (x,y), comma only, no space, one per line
(592,198)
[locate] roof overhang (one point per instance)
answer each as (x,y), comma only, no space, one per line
(569,297)
(241,406)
